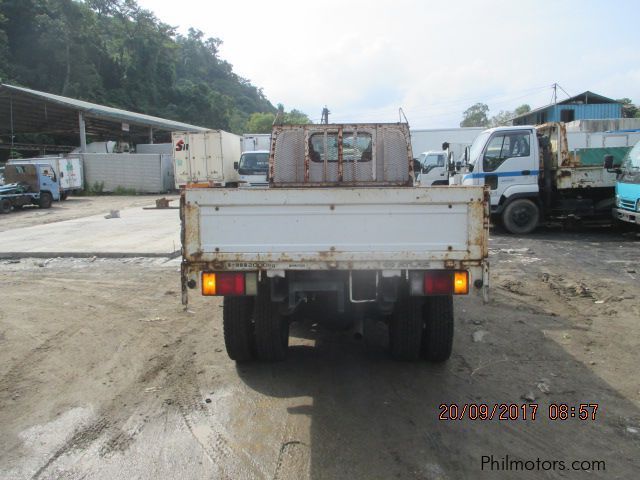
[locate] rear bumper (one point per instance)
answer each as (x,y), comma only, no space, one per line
(626,216)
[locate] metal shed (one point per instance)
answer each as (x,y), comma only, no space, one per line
(587,105)
(23,110)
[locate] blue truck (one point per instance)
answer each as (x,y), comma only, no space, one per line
(29,184)
(627,207)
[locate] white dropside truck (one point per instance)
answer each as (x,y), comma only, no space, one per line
(342,234)
(542,173)
(206,158)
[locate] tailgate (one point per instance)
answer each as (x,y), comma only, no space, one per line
(329,228)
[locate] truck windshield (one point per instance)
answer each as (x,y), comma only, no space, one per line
(631,166)
(254,163)
(477,146)
(432,159)
(632,160)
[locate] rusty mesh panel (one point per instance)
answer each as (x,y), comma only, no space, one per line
(289,161)
(323,165)
(375,154)
(394,156)
(359,162)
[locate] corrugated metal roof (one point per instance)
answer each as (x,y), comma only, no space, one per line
(94,110)
(587,98)
(584,98)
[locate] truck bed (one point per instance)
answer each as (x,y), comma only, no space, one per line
(334,228)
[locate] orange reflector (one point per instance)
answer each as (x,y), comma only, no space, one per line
(209,284)
(461,283)
(223,283)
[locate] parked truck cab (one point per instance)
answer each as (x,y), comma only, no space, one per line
(506,159)
(28,184)
(627,186)
(433,168)
(253,168)
(535,173)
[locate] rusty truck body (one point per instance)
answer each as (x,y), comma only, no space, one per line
(342,234)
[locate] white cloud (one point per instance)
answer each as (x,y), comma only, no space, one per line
(433,59)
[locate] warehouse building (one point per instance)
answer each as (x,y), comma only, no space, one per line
(586,106)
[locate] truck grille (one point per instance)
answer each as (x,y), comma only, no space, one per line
(627,204)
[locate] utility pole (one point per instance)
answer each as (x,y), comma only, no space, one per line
(324,119)
(555,93)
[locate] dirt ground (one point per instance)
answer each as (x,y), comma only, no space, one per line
(103,375)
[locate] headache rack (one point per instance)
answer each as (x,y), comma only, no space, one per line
(341,155)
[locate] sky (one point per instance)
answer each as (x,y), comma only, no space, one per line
(366,60)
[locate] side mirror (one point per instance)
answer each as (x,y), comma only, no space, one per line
(466,155)
(236,165)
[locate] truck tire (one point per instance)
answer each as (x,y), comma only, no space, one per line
(238,328)
(271,328)
(5,205)
(521,216)
(405,329)
(437,336)
(45,200)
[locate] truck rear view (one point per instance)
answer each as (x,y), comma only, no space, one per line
(341,235)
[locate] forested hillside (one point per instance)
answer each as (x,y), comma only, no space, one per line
(116,53)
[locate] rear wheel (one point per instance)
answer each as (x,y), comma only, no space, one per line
(521,216)
(437,337)
(271,327)
(5,205)
(45,200)
(238,328)
(405,329)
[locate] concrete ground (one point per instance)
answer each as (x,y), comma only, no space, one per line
(104,375)
(119,231)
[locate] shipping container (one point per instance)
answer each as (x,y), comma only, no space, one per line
(256,141)
(207,157)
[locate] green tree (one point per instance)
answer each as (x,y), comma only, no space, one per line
(501,119)
(296,117)
(504,118)
(629,110)
(116,53)
(4,48)
(475,116)
(260,123)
